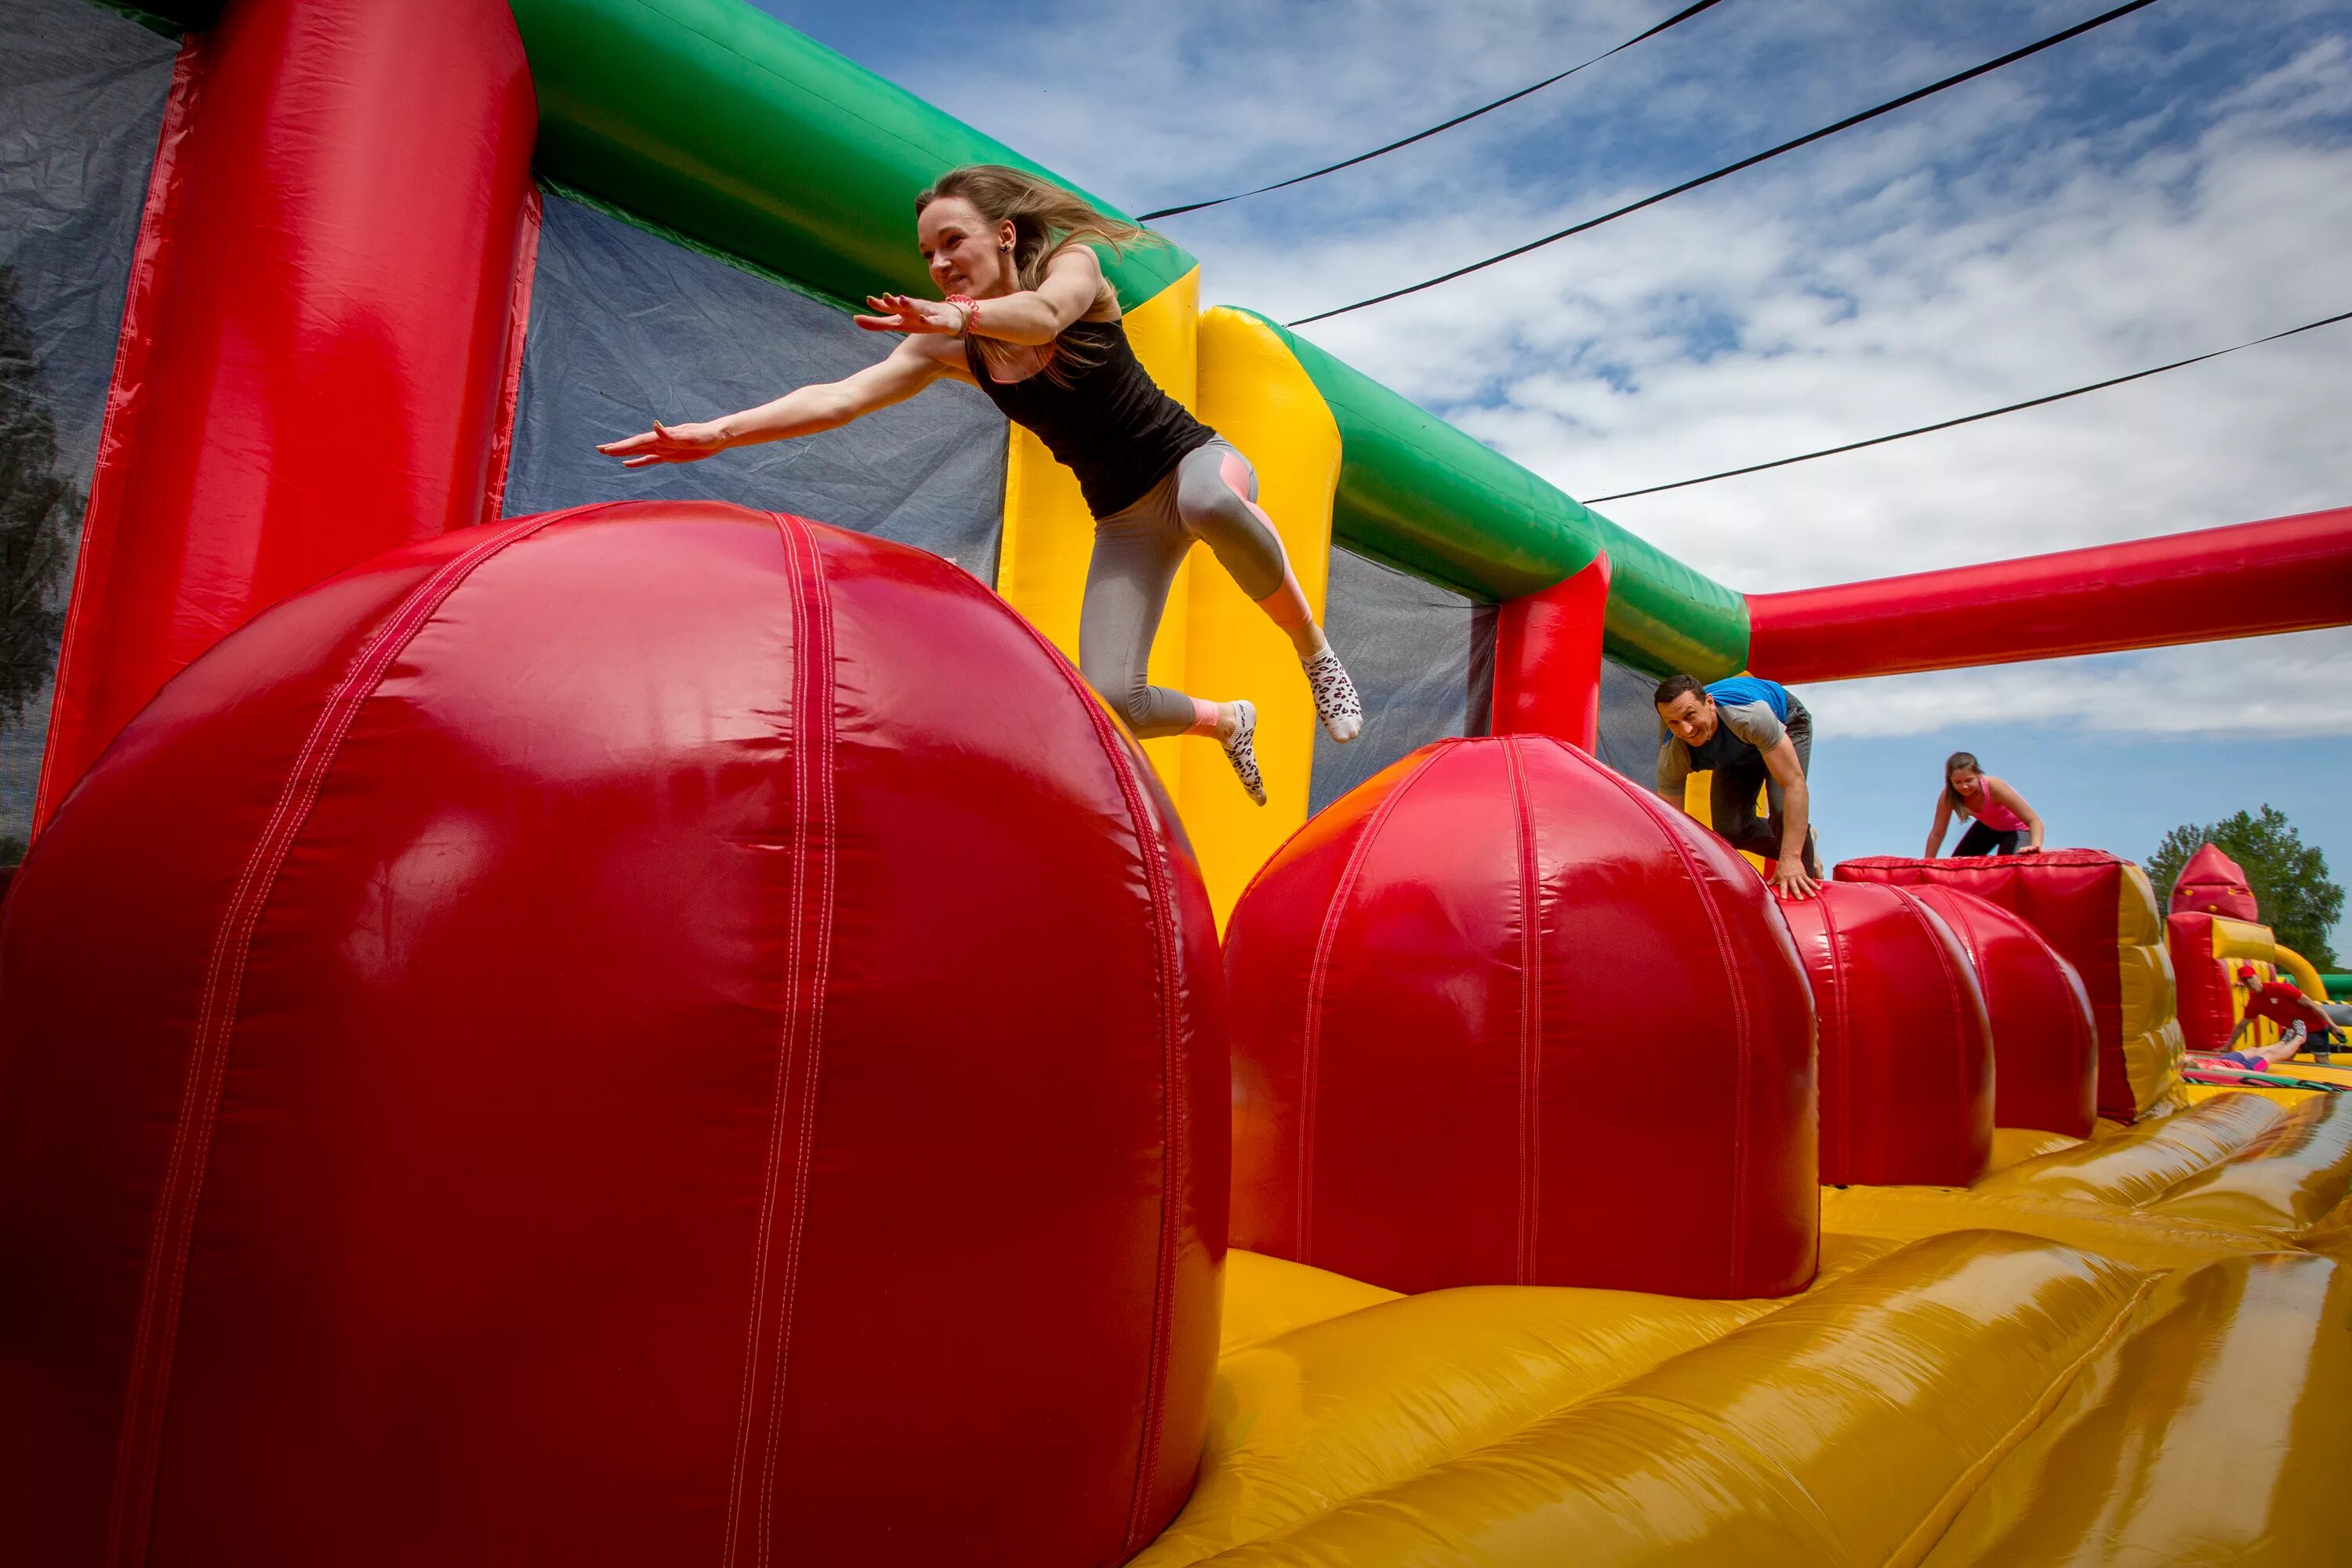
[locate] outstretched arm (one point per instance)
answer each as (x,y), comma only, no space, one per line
(1942,825)
(2016,802)
(804,411)
(1072,284)
(1796,816)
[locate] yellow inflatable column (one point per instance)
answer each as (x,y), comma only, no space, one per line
(1254,392)
(2154,1046)
(1049,535)
(2307,973)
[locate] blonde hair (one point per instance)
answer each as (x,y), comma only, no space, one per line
(1045,218)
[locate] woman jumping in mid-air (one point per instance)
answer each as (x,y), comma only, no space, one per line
(2002,817)
(1031,320)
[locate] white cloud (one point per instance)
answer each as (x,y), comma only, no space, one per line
(2179,182)
(2278,686)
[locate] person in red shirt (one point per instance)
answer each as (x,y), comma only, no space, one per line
(2298,1018)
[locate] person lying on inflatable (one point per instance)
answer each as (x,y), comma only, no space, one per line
(2302,1026)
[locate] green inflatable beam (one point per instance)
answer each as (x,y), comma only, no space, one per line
(716,120)
(1430,500)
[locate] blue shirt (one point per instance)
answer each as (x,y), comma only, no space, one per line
(1739,690)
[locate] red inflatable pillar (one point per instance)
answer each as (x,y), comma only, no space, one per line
(317,347)
(1548,659)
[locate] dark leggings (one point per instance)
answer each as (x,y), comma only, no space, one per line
(1982,841)
(1731,799)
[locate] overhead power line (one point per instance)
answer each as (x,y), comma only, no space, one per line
(1972,418)
(2052,41)
(1685,15)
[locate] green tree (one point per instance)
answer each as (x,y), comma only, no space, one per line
(2289,877)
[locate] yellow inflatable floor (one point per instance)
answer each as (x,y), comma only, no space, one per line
(2237,1173)
(1984,1396)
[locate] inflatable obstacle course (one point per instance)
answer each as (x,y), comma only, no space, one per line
(560,1035)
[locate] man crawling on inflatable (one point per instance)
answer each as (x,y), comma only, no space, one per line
(1752,735)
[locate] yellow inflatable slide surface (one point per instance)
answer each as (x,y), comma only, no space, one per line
(2119,1351)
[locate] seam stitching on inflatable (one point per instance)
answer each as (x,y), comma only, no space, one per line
(1530,1000)
(1741,1023)
(528,224)
(818,683)
(139,1444)
(1920,914)
(807,958)
(1151,846)
(1831,978)
(1317,973)
(1939,1519)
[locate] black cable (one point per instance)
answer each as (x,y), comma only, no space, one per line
(1972,418)
(2012,57)
(1685,15)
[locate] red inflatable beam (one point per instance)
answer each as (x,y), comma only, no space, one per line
(1548,659)
(318,337)
(2289,574)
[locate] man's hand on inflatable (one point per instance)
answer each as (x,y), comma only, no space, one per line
(1791,880)
(905,313)
(666,444)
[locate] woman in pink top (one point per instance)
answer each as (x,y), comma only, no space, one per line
(2001,813)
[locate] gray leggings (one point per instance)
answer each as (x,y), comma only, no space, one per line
(1211,496)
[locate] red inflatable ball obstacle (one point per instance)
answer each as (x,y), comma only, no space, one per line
(1501,1018)
(1906,1048)
(652,1034)
(2044,1043)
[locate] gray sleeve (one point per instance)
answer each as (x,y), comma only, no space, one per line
(1674,768)
(1753,722)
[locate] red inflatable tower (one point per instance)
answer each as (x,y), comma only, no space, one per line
(1501,1016)
(652,1033)
(2213,884)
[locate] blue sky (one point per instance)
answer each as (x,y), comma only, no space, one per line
(2179,180)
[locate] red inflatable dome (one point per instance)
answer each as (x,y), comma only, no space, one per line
(2045,1046)
(1906,1048)
(1500,1017)
(2213,884)
(653,1033)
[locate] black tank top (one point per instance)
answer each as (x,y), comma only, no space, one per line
(1111,425)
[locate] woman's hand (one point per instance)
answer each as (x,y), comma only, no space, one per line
(905,313)
(2029,849)
(667,443)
